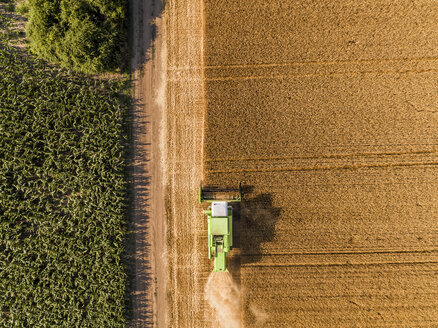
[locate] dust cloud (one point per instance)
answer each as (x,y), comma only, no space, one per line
(223,295)
(260,316)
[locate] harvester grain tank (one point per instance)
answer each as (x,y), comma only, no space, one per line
(220,222)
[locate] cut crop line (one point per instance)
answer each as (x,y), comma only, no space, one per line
(420,251)
(304,63)
(336,264)
(326,168)
(322,62)
(260,77)
(323,156)
(204,91)
(276,188)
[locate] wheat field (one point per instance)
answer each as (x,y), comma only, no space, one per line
(327,113)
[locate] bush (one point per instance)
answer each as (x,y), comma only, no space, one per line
(86,35)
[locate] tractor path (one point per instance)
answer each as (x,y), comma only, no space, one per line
(148,224)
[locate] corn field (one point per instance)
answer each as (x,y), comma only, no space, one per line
(62,195)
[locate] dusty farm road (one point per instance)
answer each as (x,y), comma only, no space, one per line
(148,226)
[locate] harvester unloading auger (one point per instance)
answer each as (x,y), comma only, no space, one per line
(220,222)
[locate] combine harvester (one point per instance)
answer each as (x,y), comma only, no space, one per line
(220,222)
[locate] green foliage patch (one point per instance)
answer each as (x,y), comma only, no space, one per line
(62,195)
(86,35)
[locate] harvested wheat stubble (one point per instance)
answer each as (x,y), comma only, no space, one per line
(327,113)
(187,259)
(365,296)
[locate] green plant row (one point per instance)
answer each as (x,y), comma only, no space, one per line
(62,196)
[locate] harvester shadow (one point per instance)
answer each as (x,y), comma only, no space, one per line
(254,225)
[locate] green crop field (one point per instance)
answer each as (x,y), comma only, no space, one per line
(63,194)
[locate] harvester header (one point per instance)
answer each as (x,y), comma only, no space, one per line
(211,194)
(220,222)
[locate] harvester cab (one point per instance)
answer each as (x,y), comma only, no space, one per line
(220,222)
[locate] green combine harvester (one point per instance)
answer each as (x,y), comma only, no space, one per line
(220,222)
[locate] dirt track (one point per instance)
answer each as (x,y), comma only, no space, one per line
(148,220)
(326,112)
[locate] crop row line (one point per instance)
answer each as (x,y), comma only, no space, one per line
(322,168)
(337,264)
(284,76)
(415,251)
(422,152)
